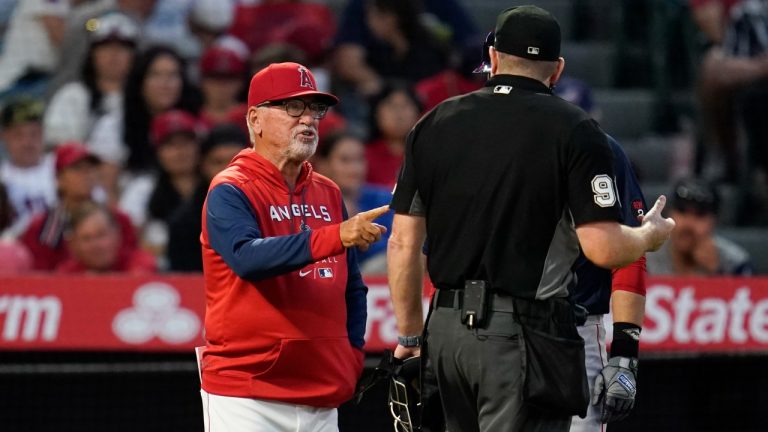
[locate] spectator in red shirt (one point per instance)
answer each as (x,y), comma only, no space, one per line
(394,111)
(307,26)
(95,245)
(222,76)
(77,181)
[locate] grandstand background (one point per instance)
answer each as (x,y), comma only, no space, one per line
(641,60)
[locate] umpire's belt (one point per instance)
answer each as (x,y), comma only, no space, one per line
(452,298)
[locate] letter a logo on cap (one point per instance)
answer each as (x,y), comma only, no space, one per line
(306,81)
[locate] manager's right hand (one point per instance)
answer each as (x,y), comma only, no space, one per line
(360,230)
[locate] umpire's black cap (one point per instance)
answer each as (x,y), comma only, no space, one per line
(529,32)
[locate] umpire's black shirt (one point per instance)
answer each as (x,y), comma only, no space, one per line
(503,175)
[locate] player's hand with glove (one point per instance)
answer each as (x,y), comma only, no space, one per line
(615,389)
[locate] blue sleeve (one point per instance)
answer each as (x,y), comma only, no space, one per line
(357,306)
(632,199)
(234,233)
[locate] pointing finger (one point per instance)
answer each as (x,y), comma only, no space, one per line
(659,205)
(373,213)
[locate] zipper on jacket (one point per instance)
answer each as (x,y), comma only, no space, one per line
(303,225)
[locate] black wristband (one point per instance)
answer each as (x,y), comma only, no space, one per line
(626,340)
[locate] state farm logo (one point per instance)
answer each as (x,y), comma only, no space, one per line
(156,313)
(684,317)
(30,318)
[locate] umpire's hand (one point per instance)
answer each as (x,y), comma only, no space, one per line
(658,228)
(615,389)
(360,230)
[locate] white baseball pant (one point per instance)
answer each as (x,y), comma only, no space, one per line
(234,414)
(595,357)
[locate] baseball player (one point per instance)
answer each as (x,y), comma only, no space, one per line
(612,381)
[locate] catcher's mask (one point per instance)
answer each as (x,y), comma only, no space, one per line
(485,65)
(404,381)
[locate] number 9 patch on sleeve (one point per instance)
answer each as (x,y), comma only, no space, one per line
(605,194)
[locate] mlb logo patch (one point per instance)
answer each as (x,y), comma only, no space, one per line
(637,204)
(533,50)
(325,273)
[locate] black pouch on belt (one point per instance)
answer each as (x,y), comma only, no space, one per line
(554,374)
(475,303)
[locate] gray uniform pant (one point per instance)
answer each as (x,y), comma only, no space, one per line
(480,377)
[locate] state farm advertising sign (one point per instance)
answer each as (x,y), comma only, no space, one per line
(166,313)
(721,315)
(101,313)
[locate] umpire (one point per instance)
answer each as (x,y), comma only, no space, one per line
(505,184)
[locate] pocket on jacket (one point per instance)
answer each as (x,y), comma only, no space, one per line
(320,365)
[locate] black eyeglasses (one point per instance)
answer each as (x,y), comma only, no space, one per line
(296,107)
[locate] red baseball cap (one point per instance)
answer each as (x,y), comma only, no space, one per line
(72,152)
(221,62)
(280,81)
(172,122)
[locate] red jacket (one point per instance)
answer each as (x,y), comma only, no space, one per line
(44,237)
(284,301)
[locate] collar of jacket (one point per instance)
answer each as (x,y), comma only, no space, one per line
(519,82)
(259,166)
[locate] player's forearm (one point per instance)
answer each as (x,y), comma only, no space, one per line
(628,307)
(406,276)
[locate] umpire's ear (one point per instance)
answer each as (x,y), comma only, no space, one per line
(494,55)
(555,77)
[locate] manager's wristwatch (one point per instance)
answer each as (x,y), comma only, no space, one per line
(409,341)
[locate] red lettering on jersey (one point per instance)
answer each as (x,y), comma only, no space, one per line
(306,81)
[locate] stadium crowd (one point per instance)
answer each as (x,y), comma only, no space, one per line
(116,114)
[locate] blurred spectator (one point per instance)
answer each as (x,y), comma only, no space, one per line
(712,17)
(216,151)
(152,199)
(219,147)
(209,22)
(157,84)
(6,11)
(694,248)
(90,110)
(95,245)
(734,80)
(30,51)
(14,257)
(77,181)
(275,53)
(458,79)
(437,14)
(27,172)
(396,46)
(76,39)
(307,26)
(222,80)
(393,113)
(341,157)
